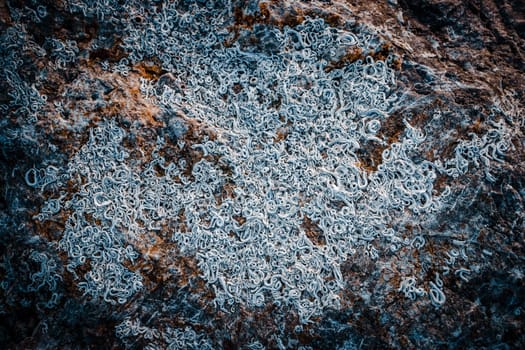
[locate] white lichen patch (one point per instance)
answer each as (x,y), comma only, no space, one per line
(288,129)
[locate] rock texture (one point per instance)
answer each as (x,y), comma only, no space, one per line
(459,70)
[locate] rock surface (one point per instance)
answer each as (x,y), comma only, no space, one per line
(84,95)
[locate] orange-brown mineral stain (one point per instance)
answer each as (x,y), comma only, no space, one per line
(313,231)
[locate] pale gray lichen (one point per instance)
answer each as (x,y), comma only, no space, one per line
(326,115)
(288,130)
